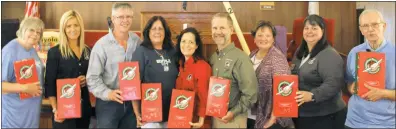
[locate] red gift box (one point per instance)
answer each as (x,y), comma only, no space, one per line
(370,70)
(25,72)
(218,97)
(284,93)
(181,109)
(151,102)
(68,98)
(129,77)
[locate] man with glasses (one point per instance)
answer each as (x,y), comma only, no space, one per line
(102,76)
(375,109)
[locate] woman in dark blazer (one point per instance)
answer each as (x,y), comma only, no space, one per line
(320,71)
(69,59)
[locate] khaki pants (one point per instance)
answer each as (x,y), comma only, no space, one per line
(239,121)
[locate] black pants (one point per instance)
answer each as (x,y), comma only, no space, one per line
(78,123)
(110,114)
(331,121)
(251,123)
(82,122)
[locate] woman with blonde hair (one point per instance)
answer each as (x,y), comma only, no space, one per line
(18,113)
(69,59)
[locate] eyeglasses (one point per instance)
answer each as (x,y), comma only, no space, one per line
(128,17)
(373,25)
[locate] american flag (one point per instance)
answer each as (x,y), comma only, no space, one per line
(32,9)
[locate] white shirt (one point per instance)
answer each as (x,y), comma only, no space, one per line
(256,63)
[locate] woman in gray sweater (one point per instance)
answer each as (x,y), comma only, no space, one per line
(320,71)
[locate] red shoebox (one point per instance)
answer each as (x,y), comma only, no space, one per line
(284,93)
(370,70)
(68,98)
(181,109)
(151,102)
(25,72)
(129,77)
(218,97)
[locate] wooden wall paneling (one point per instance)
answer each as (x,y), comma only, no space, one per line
(94,13)
(284,14)
(345,24)
(46,120)
(208,50)
(247,13)
(326,11)
(348,28)
(12,10)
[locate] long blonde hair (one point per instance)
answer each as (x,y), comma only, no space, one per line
(64,47)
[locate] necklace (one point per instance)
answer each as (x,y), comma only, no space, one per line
(159,54)
(162,61)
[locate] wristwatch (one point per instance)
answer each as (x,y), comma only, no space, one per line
(313,97)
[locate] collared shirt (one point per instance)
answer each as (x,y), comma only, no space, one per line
(233,64)
(18,113)
(102,75)
(367,114)
(195,77)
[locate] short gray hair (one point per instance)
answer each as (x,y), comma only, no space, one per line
(118,6)
(371,11)
(30,23)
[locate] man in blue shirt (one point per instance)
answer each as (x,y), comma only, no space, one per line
(376,108)
(102,75)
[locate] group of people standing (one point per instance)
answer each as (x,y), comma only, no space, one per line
(182,66)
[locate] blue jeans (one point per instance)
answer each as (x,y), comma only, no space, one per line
(111,114)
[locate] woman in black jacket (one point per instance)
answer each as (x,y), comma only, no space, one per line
(321,77)
(69,59)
